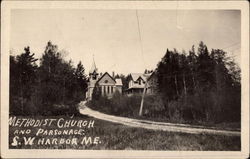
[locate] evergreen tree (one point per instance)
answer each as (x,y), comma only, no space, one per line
(227,88)
(205,68)
(22,77)
(166,75)
(96,95)
(184,72)
(117,76)
(52,82)
(204,84)
(125,82)
(81,79)
(192,64)
(61,84)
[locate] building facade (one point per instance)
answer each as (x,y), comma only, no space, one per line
(137,83)
(106,83)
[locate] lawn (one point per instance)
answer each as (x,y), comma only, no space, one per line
(110,136)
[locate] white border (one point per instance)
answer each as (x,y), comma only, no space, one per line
(171,5)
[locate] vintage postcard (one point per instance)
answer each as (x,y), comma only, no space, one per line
(126,79)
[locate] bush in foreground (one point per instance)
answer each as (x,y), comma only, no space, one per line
(193,109)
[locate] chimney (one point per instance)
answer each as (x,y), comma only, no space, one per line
(113,74)
(101,74)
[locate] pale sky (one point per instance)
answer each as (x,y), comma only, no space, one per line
(113,37)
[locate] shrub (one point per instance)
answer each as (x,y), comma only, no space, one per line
(201,107)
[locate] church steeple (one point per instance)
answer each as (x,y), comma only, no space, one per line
(93,67)
(93,71)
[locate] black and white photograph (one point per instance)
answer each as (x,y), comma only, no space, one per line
(132,77)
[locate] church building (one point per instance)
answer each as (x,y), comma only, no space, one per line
(107,84)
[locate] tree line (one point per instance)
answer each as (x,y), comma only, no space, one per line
(200,85)
(51,88)
(193,87)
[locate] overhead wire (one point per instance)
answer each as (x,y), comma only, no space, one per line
(139,32)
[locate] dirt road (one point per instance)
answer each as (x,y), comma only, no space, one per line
(184,128)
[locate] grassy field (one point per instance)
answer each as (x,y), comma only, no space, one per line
(119,137)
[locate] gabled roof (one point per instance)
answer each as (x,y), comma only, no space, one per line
(106,73)
(140,78)
(135,76)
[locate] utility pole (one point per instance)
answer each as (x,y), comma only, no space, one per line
(145,86)
(143,95)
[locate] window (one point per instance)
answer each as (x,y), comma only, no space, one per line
(112,89)
(108,89)
(106,81)
(139,82)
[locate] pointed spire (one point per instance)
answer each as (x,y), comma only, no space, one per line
(93,67)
